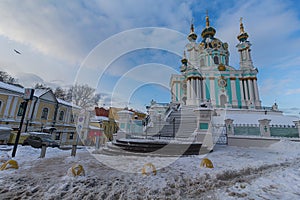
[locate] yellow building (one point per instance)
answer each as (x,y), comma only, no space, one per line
(45,113)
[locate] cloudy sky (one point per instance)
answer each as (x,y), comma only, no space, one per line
(128,49)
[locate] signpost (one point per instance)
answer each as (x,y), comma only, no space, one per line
(28,95)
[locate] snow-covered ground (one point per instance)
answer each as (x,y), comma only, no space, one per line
(238,173)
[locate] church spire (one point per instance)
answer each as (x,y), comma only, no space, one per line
(208,31)
(207,19)
(243,36)
(184,60)
(192,36)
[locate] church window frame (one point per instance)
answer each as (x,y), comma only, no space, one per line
(216,60)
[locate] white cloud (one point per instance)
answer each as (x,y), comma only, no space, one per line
(293,91)
(269,24)
(60,34)
(70,29)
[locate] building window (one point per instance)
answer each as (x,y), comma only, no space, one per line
(57,136)
(45,113)
(216,60)
(61,115)
(71,136)
(21,109)
(72,120)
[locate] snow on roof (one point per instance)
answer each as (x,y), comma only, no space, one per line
(100,118)
(11,87)
(3,128)
(37,133)
(67,103)
(6,93)
(95,128)
(253,119)
(126,111)
(40,92)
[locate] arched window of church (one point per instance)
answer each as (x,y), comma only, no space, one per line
(226,60)
(216,60)
(202,62)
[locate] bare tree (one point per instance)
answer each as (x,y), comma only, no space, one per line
(82,95)
(6,78)
(60,93)
(41,86)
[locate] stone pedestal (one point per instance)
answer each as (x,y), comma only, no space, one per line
(264,126)
(229,126)
(297,123)
(125,117)
(203,131)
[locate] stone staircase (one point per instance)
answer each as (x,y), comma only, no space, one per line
(151,148)
(180,123)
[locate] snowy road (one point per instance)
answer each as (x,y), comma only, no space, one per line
(239,173)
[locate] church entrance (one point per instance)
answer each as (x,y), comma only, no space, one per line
(222,100)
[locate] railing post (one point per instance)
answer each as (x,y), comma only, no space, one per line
(174,127)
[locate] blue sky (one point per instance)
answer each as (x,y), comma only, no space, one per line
(128,49)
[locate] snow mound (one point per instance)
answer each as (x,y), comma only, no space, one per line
(4,157)
(285,145)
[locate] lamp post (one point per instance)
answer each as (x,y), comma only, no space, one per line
(28,95)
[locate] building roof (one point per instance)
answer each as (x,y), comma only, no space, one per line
(66,103)
(40,92)
(11,87)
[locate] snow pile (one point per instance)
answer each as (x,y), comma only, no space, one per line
(246,173)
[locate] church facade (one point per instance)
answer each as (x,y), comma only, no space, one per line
(207,79)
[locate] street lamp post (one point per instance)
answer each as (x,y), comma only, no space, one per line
(27,96)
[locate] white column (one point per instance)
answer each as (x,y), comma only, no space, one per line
(31,108)
(201,89)
(242,92)
(197,89)
(246,89)
(212,91)
(7,106)
(233,91)
(177,94)
(14,106)
(204,89)
(36,109)
(193,88)
(255,89)
(187,89)
(250,88)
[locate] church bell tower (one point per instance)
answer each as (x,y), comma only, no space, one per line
(244,49)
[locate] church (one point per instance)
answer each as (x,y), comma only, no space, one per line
(207,78)
(211,103)
(211,99)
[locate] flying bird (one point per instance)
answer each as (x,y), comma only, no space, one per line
(18,52)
